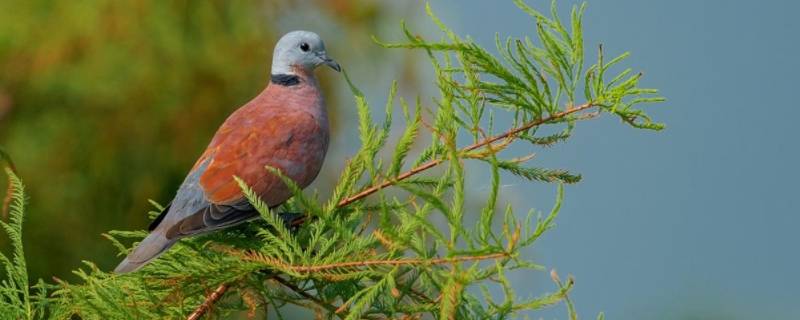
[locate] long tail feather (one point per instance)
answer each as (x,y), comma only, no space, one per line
(150,248)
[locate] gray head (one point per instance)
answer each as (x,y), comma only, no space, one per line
(300,49)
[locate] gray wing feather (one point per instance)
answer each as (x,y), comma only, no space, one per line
(190,213)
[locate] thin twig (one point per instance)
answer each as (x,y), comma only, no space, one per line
(214,296)
(278,264)
(209,302)
(331,308)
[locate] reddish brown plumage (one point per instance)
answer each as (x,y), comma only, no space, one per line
(283,127)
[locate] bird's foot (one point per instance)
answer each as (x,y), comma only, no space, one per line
(293,220)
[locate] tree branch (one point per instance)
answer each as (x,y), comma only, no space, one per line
(278,264)
(209,302)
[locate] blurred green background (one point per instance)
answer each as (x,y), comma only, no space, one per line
(105,104)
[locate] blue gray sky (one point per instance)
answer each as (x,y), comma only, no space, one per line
(698,221)
(695,222)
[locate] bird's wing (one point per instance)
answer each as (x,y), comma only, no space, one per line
(210,199)
(192,213)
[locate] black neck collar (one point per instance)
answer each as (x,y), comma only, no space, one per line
(285,80)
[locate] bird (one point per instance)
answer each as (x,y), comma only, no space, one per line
(284,127)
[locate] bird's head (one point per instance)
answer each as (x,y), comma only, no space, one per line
(302,51)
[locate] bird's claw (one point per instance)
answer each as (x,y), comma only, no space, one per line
(293,220)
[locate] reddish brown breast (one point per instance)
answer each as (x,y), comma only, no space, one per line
(284,127)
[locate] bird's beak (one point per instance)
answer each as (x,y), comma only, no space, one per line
(331,63)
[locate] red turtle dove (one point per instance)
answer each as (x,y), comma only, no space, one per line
(285,127)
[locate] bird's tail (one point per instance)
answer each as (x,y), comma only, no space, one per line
(150,248)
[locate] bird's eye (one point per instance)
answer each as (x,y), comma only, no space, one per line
(304,46)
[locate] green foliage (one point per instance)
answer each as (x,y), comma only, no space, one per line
(18,300)
(413,247)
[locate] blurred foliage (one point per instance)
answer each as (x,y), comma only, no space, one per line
(117,98)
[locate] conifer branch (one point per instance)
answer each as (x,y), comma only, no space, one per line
(432,163)
(9,165)
(214,296)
